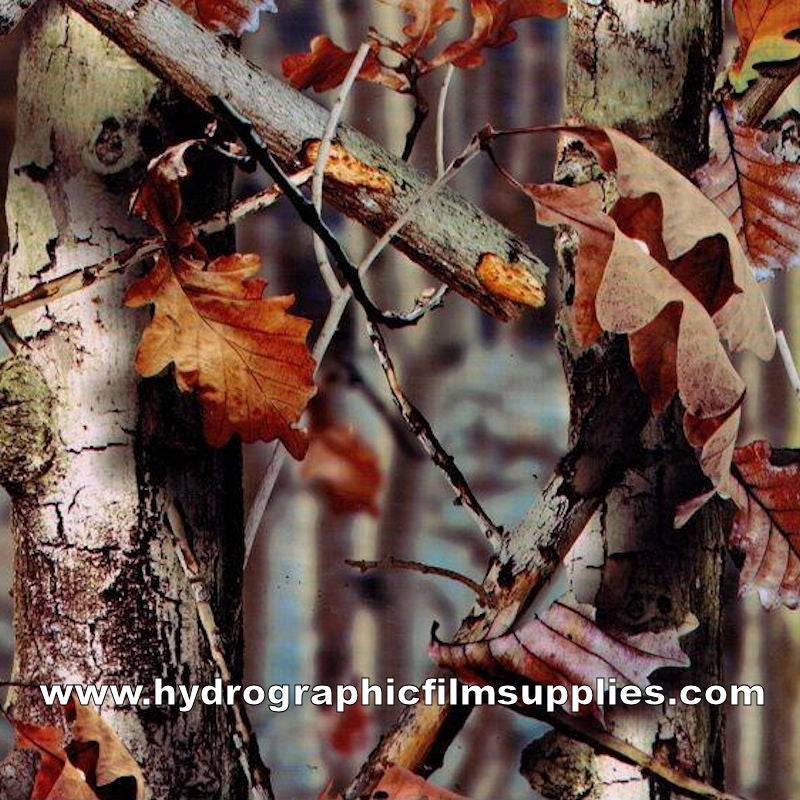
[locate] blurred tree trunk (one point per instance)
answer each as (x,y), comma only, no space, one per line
(647,69)
(99,593)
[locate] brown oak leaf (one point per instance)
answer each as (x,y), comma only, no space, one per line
(244,355)
(227,16)
(563,646)
(492,27)
(326,64)
(48,741)
(346,470)
(426,18)
(757,190)
(766,528)
(763,27)
(665,267)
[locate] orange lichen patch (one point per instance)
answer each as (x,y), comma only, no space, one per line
(510,280)
(346,168)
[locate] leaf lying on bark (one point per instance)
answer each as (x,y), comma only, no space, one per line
(398,783)
(665,267)
(245,356)
(95,763)
(227,16)
(326,64)
(766,528)
(346,470)
(763,27)
(757,191)
(563,646)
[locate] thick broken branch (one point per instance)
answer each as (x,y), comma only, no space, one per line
(448,237)
(762,95)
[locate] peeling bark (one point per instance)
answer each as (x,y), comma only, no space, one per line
(648,69)
(99,593)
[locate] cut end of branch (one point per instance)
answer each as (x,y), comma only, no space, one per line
(510,280)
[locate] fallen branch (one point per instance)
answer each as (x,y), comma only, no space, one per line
(448,239)
(390,562)
(245,740)
(80,279)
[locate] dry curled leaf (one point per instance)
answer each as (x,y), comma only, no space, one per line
(325,66)
(345,168)
(426,18)
(48,741)
(563,646)
(492,22)
(510,280)
(665,267)
(398,783)
(158,200)
(345,469)
(766,529)
(757,190)
(244,355)
(763,27)
(227,16)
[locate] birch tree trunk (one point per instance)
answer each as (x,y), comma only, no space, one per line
(647,69)
(99,594)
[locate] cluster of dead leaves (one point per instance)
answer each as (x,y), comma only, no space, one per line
(243,354)
(95,765)
(326,64)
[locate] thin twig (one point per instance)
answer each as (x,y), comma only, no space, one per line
(390,562)
(309,215)
(277,454)
(420,115)
(422,429)
(788,362)
(79,279)
(440,108)
(245,740)
(328,275)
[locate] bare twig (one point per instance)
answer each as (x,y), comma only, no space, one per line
(328,275)
(422,429)
(761,95)
(245,740)
(331,325)
(788,362)
(440,109)
(390,562)
(80,279)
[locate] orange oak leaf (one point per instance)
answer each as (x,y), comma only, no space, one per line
(158,200)
(98,753)
(763,27)
(757,190)
(492,27)
(326,64)
(399,783)
(345,469)
(227,16)
(563,646)
(244,355)
(665,267)
(766,528)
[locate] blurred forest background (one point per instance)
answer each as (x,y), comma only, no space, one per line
(496,397)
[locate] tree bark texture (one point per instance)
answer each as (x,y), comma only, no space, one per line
(647,69)
(99,593)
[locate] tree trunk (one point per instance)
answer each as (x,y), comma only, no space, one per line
(647,69)
(99,593)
